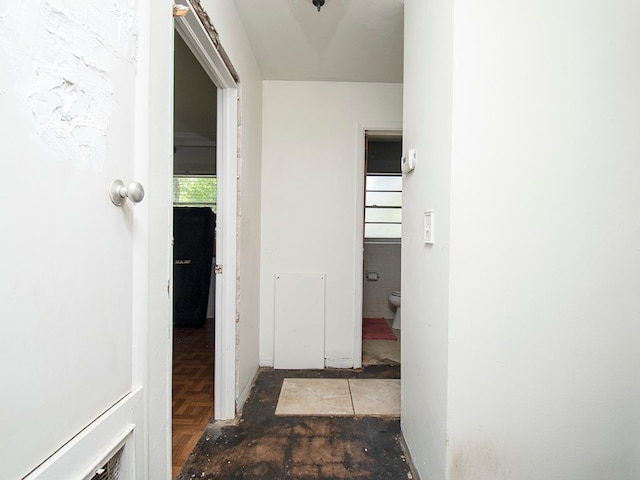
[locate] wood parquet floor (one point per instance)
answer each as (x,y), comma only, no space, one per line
(193,354)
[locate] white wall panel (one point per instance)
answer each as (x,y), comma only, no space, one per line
(299,320)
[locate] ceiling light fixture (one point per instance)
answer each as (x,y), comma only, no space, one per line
(318,3)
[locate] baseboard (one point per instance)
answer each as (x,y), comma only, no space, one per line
(328,362)
(407,453)
(266,362)
(338,362)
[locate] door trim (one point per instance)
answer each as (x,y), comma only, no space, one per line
(195,35)
(224,385)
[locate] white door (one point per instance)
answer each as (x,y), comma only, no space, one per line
(67,98)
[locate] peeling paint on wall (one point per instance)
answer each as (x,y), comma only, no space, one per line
(62,54)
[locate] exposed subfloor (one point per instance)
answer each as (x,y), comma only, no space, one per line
(263,446)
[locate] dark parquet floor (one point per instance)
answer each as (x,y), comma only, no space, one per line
(193,354)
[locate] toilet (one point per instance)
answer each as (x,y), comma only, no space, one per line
(394,299)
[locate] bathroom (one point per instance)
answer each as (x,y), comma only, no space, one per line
(382,238)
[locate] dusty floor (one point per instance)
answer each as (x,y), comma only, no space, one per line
(265,447)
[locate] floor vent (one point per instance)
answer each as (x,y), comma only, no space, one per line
(111,469)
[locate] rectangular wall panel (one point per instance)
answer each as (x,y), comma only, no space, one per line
(299,320)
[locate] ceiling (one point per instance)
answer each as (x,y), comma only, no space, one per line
(347,41)
(194,115)
(194,94)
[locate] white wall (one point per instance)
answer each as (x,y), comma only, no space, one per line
(544,268)
(310,167)
(225,19)
(425,269)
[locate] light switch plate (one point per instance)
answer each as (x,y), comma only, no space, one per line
(428,227)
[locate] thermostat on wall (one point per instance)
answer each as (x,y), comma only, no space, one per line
(409,161)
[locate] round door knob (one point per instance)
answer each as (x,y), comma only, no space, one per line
(135,192)
(119,193)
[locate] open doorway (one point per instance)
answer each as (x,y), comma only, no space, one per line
(194,230)
(194,28)
(382,233)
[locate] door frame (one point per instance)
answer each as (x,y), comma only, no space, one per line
(199,42)
(363,128)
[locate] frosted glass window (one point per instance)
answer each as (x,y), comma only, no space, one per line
(383,202)
(382,215)
(382,230)
(384,199)
(384,183)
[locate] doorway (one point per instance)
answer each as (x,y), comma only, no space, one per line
(205,157)
(382,233)
(194,227)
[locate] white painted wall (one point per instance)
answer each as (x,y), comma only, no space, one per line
(224,17)
(543,265)
(309,178)
(425,269)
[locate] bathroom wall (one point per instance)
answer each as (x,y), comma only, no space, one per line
(383,259)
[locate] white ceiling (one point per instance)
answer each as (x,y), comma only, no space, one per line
(348,40)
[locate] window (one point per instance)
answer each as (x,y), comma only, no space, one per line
(200,191)
(383,206)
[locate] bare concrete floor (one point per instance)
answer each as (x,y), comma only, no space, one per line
(263,446)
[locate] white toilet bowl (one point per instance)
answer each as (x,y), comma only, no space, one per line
(394,299)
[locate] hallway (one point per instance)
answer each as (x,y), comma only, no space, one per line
(263,445)
(346,432)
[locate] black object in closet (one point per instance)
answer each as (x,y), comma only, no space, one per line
(193,247)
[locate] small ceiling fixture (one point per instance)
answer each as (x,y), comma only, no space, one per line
(318,3)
